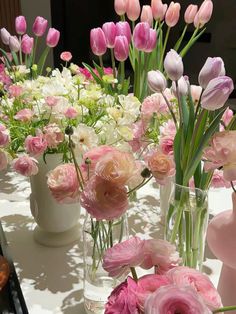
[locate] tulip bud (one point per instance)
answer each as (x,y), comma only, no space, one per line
(172,14)
(98,41)
(151,45)
(109,30)
(212,68)
(121,48)
(123,28)
(141,35)
(20,25)
(204,14)
(133,9)
(217,93)
(146,15)
(5,36)
(173,65)
(14,44)
(158,9)
(53,37)
(190,13)
(27,44)
(156,81)
(120,6)
(182,87)
(39,26)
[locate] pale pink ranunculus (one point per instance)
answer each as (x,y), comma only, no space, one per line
(136,178)
(153,104)
(172,299)
(139,129)
(167,136)
(103,199)
(63,184)
(226,118)
(66,56)
(24,115)
(71,113)
(167,145)
(3,160)
(53,135)
(15,90)
(4,136)
(183,276)
(35,145)
(118,259)
(51,101)
(195,92)
(25,165)
(123,299)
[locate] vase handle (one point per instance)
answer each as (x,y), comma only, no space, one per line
(33,206)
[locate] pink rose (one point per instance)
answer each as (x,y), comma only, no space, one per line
(172,299)
(104,199)
(25,165)
(71,113)
(123,299)
(119,258)
(4,136)
(24,115)
(3,160)
(35,145)
(53,135)
(66,56)
(15,90)
(184,276)
(153,104)
(63,184)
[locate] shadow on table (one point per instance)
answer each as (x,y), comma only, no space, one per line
(12,184)
(73,303)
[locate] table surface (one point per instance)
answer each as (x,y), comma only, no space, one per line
(52,278)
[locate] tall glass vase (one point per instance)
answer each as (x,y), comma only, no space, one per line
(186,223)
(98,236)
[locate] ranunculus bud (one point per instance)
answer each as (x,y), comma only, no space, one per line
(158,9)
(152,40)
(141,35)
(190,13)
(5,36)
(121,48)
(212,68)
(14,44)
(146,15)
(120,6)
(27,44)
(156,81)
(217,93)
(20,25)
(204,14)
(66,56)
(53,37)
(39,26)
(98,41)
(173,65)
(133,9)
(109,30)
(182,87)
(123,28)
(172,14)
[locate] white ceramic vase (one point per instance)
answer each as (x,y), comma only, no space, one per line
(57,224)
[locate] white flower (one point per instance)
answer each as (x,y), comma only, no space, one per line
(84,138)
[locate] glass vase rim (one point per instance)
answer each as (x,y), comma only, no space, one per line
(193,189)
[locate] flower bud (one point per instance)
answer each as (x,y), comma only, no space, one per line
(5,36)
(212,68)
(39,26)
(172,14)
(27,44)
(69,130)
(109,30)
(98,41)
(151,45)
(20,25)
(182,87)
(158,9)
(156,81)
(133,10)
(53,37)
(146,15)
(121,48)
(120,6)
(217,93)
(204,14)
(123,28)
(141,35)
(14,44)
(173,65)
(190,13)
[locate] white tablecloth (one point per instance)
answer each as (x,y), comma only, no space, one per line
(51,278)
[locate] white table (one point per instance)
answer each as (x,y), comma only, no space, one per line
(51,278)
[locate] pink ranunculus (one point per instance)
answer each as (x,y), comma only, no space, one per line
(86,73)
(66,56)
(3,160)
(4,136)
(148,284)
(25,165)
(136,178)
(123,299)
(172,299)
(167,136)
(104,199)
(71,113)
(53,135)
(167,145)
(153,104)
(35,145)
(218,180)
(24,115)
(51,101)
(183,276)
(118,259)
(195,92)
(63,184)
(15,90)
(139,129)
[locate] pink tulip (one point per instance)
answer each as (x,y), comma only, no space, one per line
(121,48)
(151,45)
(133,10)
(71,113)
(20,25)
(5,36)
(66,56)
(35,145)
(24,115)
(3,160)
(109,30)
(25,165)
(4,136)
(190,13)
(53,135)
(158,9)
(146,15)
(123,28)
(173,65)
(53,37)
(14,44)
(39,26)
(156,81)
(98,41)
(204,14)
(141,35)
(172,14)
(212,68)
(120,6)
(27,44)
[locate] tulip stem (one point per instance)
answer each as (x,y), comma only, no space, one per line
(134,274)
(171,111)
(122,67)
(164,49)
(225,309)
(20,52)
(113,62)
(101,62)
(34,50)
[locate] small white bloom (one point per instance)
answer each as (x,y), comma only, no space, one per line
(84,138)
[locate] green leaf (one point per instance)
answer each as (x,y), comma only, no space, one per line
(8,62)
(42,60)
(99,69)
(15,57)
(190,44)
(177,155)
(94,75)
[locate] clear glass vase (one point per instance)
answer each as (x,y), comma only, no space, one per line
(186,223)
(98,236)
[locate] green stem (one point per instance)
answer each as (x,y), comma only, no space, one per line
(113,62)
(122,74)
(77,168)
(188,45)
(101,62)
(134,274)
(170,109)
(179,42)
(35,48)
(225,309)
(20,52)
(164,49)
